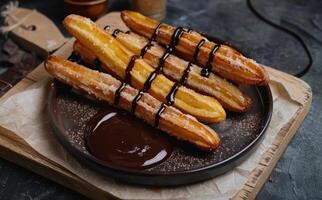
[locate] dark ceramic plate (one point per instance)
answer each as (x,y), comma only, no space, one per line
(240,134)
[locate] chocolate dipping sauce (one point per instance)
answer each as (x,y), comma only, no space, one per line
(119,139)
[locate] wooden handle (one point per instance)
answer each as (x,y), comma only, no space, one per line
(34,31)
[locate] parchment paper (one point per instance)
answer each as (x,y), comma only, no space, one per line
(25,114)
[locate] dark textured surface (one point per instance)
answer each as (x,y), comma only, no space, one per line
(298,175)
(14,64)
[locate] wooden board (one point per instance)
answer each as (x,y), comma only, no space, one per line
(16,150)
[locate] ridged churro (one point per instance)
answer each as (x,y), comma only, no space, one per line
(221,59)
(176,69)
(117,58)
(104,87)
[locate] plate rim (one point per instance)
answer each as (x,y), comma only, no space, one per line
(62,134)
(181,177)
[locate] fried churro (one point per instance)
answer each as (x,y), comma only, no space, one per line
(218,58)
(123,63)
(106,88)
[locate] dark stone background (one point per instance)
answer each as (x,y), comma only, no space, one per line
(298,174)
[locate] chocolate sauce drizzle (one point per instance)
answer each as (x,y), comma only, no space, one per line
(115,32)
(118,93)
(184,77)
(171,96)
(149,44)
(189,30)
(107,27)
(186,72)
(74,57)
(147,85)
(97,63)
(170,101)
(207,68)
(196,53)
(146,48)
(159,69)
(127,79)
(171,47)
(129,68)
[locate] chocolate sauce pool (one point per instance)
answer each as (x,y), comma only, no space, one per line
(119,139)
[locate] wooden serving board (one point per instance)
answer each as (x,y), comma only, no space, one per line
(16,150)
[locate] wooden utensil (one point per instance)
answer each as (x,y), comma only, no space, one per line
(33,31)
